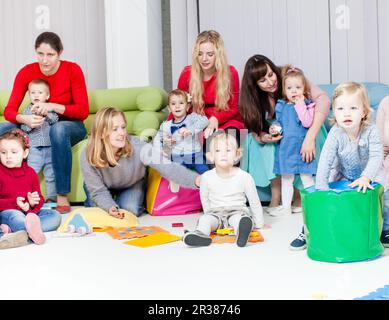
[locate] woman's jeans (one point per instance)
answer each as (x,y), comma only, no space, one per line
(63,135)
(131,199)
(16,219)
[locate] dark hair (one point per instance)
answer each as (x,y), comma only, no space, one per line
(51,39)
(254,102)
(39,81)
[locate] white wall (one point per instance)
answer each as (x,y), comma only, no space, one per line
(134,43)
(312,34)
(79,23)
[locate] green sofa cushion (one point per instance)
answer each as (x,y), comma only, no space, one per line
(149,98)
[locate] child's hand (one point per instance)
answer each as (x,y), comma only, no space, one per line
(184,132)
(169,141)
(266,138)
(115,212)
(21,204)
(362,183)
(33,198)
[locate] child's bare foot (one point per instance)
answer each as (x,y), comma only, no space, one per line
(34,230)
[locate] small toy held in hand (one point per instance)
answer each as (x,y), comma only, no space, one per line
(275,129)
(79,225)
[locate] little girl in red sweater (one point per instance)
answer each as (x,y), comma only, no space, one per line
(20,195)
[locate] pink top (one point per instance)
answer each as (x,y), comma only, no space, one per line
(305,113)
(321,99)
(228,118)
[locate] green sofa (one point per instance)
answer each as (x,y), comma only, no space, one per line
(142,107)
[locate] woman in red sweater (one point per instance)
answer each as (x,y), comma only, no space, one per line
(213,84)
(68,98)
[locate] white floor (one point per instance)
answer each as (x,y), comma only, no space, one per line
(99,267)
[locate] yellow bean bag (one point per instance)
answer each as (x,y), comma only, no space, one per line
(100,219)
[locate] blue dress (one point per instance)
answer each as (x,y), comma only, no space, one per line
(287,157)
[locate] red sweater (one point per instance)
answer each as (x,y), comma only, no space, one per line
(228,118)
(67,87)
(16,182)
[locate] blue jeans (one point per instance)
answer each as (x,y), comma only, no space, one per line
(193,161)
(6,126)
(131,199)
(386,211)
(63,135)
(16,220)
(40,158)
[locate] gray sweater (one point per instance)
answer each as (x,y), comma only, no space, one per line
(129,171)
(349,160)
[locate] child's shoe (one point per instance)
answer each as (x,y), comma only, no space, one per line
(34,230)
(297,209)
(14,239)
(299,243)
(5,228)
(244,229)
(196,239)
(385,238)
(273,211)
(78,224)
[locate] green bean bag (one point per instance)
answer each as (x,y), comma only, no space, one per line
(343,225)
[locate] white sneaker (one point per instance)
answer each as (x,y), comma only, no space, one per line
(297,209)
(272,211)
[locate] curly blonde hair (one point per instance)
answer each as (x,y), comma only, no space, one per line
(350,88)
(223,77)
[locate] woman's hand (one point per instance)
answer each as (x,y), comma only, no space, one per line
(212,127)
(266,138)
(308,149)
(43,108)
(33,198)
(21,204)
(33,121)
(363,183)
(116,213)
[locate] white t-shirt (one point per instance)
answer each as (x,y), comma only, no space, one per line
(217,192)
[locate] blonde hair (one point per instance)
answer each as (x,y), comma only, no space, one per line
(99,152)
(223,77)
(289,71)
(350,88)
(223,137)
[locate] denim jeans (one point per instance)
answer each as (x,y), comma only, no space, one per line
(6,126)
(195,161)
(131,199)
(16,220)
(386,211)
(40,158)
(63,135)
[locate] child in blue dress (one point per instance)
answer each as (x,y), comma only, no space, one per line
(294,113)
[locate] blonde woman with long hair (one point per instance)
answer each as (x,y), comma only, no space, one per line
(114,166)
(213,84)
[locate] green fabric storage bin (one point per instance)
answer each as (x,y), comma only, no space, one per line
(343,225)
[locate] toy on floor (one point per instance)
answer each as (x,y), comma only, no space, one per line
(133,232)
(154,240)
(177,225)
(79,225)
(255,236)
(379,294)
(225,231)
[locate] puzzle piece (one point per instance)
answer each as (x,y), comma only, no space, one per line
(133,232)
(255,236)
(177,225)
